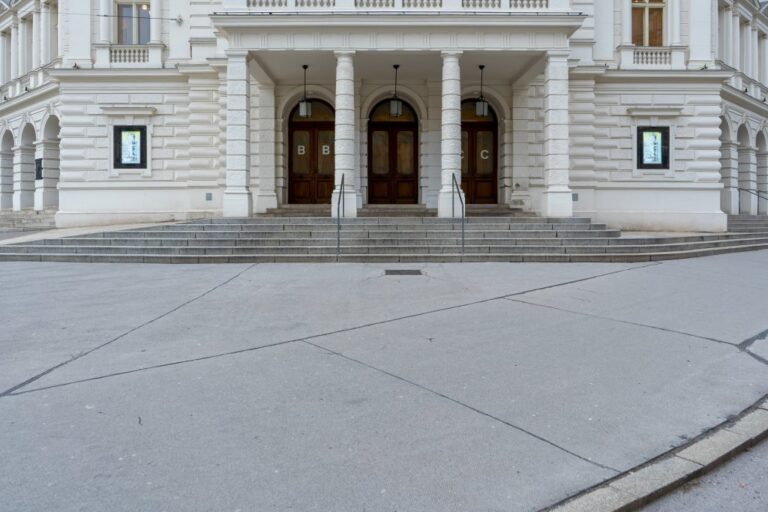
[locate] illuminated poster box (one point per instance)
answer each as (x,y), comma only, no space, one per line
(653,147)
(130,147)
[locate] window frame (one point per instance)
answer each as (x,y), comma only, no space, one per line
(135,9)
(647,6)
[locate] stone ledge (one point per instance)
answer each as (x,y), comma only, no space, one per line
(641,485)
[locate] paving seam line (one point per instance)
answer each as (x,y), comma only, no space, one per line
(646,482)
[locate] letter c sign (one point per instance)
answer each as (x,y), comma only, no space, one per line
(485,154)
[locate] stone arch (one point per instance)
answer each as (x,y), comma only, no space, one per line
(382,93)
(497,101)
(762,173)
(747,176)
(6,170)
(290,100)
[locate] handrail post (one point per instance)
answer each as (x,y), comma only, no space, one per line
(340,209)
(457,192)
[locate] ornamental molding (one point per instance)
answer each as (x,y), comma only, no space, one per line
(654,111)
(126,109)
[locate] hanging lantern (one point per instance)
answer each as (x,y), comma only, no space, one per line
(305,106)
(481,105)
(395,105)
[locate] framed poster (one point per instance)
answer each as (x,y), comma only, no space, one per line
(130,145)
(653,147)
(38,168)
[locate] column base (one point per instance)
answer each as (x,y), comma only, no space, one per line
(46,198)
(24,200)
(264,201)
(348,205)
(449,203)
(729,201)
(557,202)
(237,203)
(747,203)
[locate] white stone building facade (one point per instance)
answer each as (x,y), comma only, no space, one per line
(207,92)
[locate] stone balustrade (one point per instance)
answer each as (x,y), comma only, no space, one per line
(522,6)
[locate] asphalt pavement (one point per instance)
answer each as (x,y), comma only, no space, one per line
(338,387)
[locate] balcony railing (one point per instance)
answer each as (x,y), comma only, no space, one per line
(128,56)
(652,57)
(27,82)
(521,6)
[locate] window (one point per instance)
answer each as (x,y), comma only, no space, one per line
(653,147)
(130,147)
(133,23)
(648,22)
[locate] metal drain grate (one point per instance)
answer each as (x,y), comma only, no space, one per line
(402,272)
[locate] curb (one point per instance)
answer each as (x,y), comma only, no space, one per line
(644,483)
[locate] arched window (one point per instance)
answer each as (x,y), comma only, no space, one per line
(648,22)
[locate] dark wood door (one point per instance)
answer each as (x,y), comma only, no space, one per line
(311,166)
(479,160)
(393,170)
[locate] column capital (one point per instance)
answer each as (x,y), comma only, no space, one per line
(451,53)
(238,53)
(344,53)
(563,53)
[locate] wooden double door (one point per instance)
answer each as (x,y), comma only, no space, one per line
(311,162)
(479,160)
(393,156)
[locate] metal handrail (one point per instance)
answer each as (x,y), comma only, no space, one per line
(340,209)
(457,192)
(753,192)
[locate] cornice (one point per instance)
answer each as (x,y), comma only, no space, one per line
(32,96)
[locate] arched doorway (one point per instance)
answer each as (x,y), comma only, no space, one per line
(393,155)
(479,159)
(311,159)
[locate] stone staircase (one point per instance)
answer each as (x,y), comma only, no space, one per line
(509,238)
(26,220)
(748,223)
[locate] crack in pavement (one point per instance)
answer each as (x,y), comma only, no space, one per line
(741,346)
(463,404)
(84,353)
(14,391)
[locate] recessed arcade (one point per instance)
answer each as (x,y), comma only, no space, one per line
(416,153)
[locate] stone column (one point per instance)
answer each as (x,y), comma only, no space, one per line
(626,24)
(344,146)
(155,26)
(6,179)
(674,22)
(764,58)
(726,25)
(762,182)
(736,41)
(754,48)
(237,194)
(23,177)
(266,197)
(14,51)
(105,22)
(449,200)
(557,199)
(21,40)
(46,195)
(45,33)
(36,36)
(4,64)
(729,171)
(747,180)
